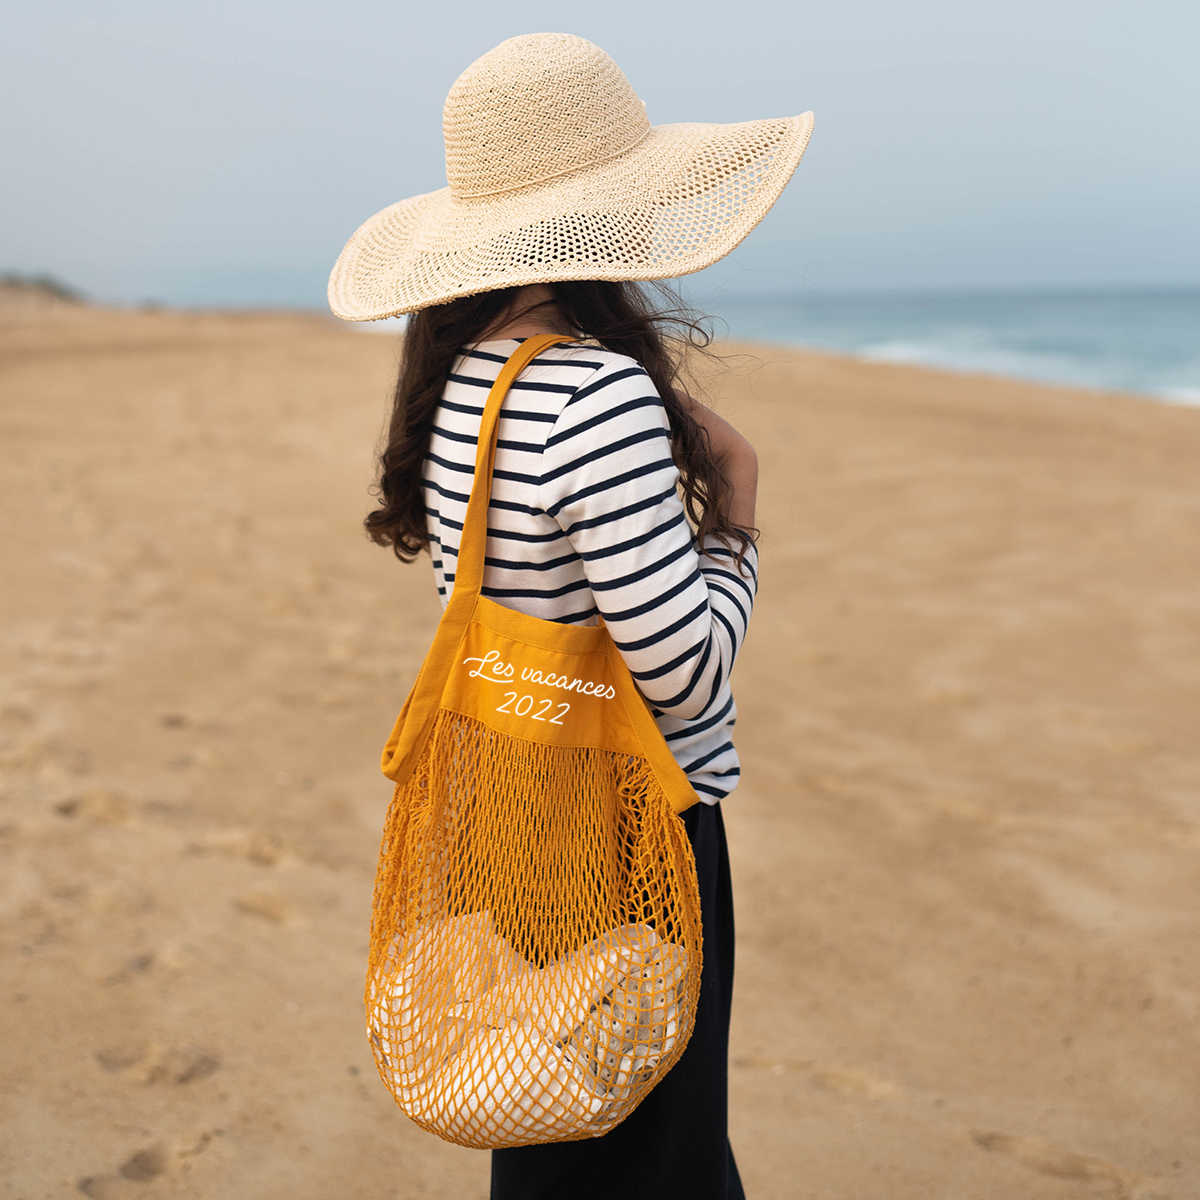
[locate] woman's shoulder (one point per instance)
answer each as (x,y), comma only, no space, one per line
(608,397)
(581,358)
(592,371)
(586,357)
(566,380)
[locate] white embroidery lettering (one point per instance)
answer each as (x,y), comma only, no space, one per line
(500,672)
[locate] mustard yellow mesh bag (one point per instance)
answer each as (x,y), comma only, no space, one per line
(535,942)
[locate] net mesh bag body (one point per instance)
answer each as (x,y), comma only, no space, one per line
(536,941)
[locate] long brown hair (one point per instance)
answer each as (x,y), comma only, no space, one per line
(622,318)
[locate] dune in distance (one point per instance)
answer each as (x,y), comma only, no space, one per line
(966,848)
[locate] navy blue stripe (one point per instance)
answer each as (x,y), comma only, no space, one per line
(697,675)
(724,576)
(608,415)
(532,539)
(707,758)
(519,385)
(617,514)
(542,359)
(513,506)
(514,477)
(571,618)
(536,593)
(674,627)
(747,563)
(616,481)
(446,494)
(472,439)
(448,465)
(599,452)
(700,727)
(548,565)
(718,683)
(717,585)
(433,512)
(645,572)
(506,413)
(720,793)
(640,609)
(503,505)
(720,616)
(703,645)
(512,536)
(633,543)
(590,389)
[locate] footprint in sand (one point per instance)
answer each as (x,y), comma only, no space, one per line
(267,904)
(256,846)
(100,807)
(154,1062)
(146,1165)
(1049,1159)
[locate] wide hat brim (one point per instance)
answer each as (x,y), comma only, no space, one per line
(678,201)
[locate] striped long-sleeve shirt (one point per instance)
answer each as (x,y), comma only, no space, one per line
(586,518)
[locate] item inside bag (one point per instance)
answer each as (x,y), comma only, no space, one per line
(473,1036)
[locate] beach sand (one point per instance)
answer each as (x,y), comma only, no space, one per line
(966,849)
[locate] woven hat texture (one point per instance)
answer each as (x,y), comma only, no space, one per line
(556,173)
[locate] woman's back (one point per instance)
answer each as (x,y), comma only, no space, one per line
(585,520)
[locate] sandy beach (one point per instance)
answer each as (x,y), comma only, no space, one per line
(966,849)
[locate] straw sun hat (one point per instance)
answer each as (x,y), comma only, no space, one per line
(556,173)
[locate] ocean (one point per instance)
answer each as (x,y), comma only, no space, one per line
(1145,341)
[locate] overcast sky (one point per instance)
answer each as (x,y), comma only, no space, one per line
(222,153)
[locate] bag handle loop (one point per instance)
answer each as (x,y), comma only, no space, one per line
(472,550)
(417,716)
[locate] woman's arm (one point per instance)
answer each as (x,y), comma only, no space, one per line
(735,456)
(677,613)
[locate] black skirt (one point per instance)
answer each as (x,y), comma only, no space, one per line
(675,1144)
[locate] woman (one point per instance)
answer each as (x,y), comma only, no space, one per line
(562,197)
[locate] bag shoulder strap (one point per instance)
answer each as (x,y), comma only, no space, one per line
(420,710)
(468,577)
